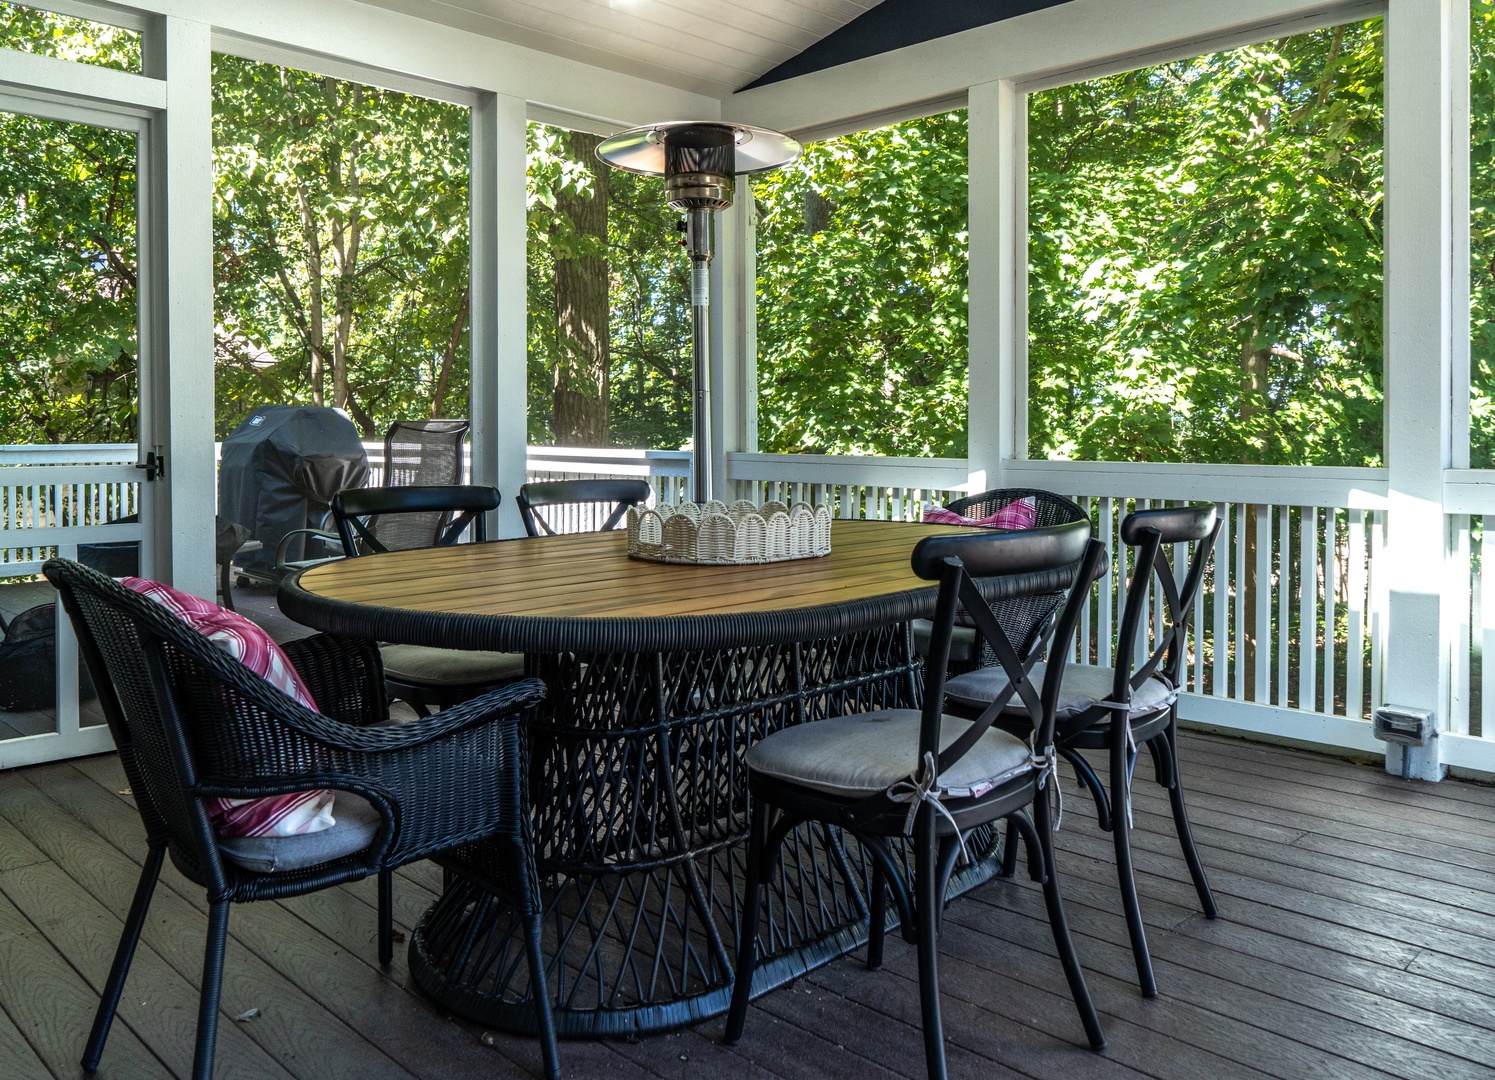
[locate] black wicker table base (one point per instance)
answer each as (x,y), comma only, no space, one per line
(638,789)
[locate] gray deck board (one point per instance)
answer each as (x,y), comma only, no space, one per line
(1356,942)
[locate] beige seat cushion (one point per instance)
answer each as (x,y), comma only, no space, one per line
(963,644)
(425,666)
(1083,686)
(862,754)
(355,821)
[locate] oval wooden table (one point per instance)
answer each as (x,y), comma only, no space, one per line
(660,677)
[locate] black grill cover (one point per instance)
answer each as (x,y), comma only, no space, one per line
(279,471)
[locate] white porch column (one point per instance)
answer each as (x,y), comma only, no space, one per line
(176,227)
(998,276)
(1420,324)
(499,341)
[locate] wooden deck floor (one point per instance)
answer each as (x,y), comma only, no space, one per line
(1356,940)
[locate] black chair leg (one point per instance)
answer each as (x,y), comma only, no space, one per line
(927,905)
(386,917)
(1059,925)
(747,932)
(550,1053)
(1125,876)
(212,990)
(877,918)
(123,955)
(1009,851)
(1168,742)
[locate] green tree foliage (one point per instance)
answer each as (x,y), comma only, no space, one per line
(1482,233)
(649,359)
(1205,258)
(67,254)
(341,236)
(862,294)
(65,37)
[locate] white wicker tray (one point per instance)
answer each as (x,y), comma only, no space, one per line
(716,534)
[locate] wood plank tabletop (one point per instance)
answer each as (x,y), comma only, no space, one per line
(479,595)
(591,576)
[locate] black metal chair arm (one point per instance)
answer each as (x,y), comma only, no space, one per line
(331,538)
(345,676)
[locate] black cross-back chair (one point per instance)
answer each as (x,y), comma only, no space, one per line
(966,649)
(904,772)
(1132,704)
(191,723)
(570,506)
(381,519)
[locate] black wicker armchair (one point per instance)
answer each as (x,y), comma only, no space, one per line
(191,723)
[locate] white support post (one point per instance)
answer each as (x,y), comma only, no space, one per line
(176,229)
(1420,133)
(998,279)
(500,413)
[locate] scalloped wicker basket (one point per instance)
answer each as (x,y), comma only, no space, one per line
(715,534)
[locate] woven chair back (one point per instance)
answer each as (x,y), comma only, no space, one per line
(137,652)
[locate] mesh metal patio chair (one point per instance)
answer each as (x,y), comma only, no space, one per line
(417,453)
(904,773)
(191,724)
(1119,709)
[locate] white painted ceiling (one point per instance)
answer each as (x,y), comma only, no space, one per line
(711,47)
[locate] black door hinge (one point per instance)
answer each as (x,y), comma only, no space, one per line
(154,465)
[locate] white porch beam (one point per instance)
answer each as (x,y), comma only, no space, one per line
(500,413)
(1420,67)
(176,229)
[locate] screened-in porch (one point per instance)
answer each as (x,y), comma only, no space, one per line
(1136,254)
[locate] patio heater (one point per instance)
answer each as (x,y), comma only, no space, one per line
(700,161)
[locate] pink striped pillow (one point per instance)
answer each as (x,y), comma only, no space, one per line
(293,814)
(1014,517)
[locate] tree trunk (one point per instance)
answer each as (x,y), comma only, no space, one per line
(315,342)
(449,356)
(580,416)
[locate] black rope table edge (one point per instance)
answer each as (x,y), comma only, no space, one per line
(645,633)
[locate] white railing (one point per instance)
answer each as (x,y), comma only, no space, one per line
(892,489)
(60,494)
(1299,549)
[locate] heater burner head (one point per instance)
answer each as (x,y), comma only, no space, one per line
(698,159)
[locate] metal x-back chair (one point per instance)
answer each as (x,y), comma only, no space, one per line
(380,519)
(572,506)
(191,724)
(896,773)
(1133,703)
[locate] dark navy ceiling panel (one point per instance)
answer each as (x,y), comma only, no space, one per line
(894,24)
